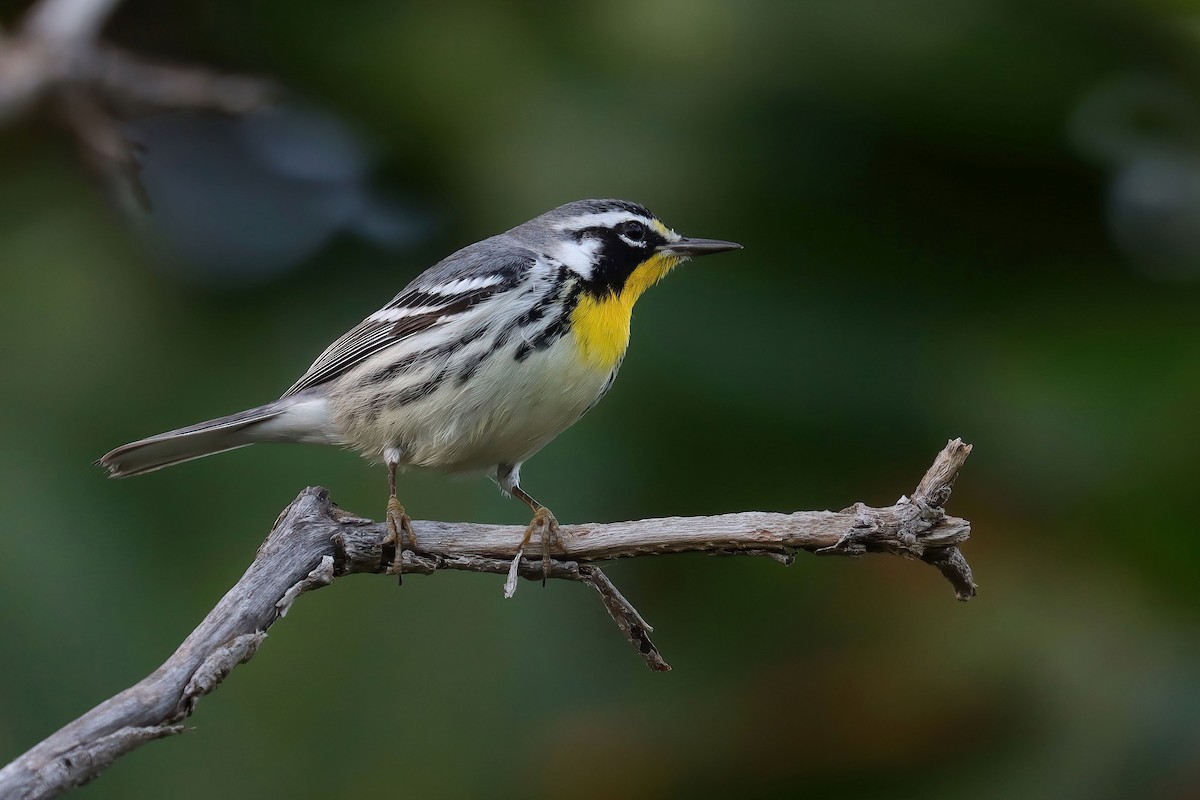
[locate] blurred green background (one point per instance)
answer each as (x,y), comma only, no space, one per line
(975,218)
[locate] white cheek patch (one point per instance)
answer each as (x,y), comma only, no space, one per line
(579,257)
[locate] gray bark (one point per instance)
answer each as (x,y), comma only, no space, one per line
(313,543)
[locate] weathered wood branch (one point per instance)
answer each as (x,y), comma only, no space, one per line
(313,543)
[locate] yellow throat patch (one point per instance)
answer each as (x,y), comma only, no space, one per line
(601,324)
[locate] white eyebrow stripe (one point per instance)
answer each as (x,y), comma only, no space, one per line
(606,219)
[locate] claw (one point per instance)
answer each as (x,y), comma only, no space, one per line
(545,526)
(549,533)
(399,524)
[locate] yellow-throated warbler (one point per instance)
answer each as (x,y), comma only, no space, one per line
(475,366)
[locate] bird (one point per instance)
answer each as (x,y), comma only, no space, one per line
(474,367)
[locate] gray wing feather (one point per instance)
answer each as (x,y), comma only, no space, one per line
(434,293)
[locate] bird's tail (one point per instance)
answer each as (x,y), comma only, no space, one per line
(295,419)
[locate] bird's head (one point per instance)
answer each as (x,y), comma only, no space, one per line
(617,247)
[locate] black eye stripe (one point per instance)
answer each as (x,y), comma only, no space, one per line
(616,256)
(631,230)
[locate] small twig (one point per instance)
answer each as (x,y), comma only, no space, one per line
(130,79)
(636,629)
(631,623)
(313,542)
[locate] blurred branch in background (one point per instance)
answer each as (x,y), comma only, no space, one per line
(238,197)
(55,55)
(314,542)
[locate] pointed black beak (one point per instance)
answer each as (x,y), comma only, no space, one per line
(697,247)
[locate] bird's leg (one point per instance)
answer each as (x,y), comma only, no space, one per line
(543,523)
(398,523)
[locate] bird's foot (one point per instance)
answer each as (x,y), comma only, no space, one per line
(399,525)
(545,527)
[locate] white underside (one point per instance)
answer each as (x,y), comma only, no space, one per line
(503,414)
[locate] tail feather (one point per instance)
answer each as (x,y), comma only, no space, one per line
(204,439)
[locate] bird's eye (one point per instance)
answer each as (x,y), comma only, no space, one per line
(633,231)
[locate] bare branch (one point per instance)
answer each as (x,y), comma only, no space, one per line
(636,629)
(313,543)
(55,55)
(130,79)
(65,23)
(53,38)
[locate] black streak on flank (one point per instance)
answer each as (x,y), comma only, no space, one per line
(539,309)
(467,371)
(553,330)
(420,390)
(468,368)
(402,365)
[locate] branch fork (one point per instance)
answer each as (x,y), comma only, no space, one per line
(313,542)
